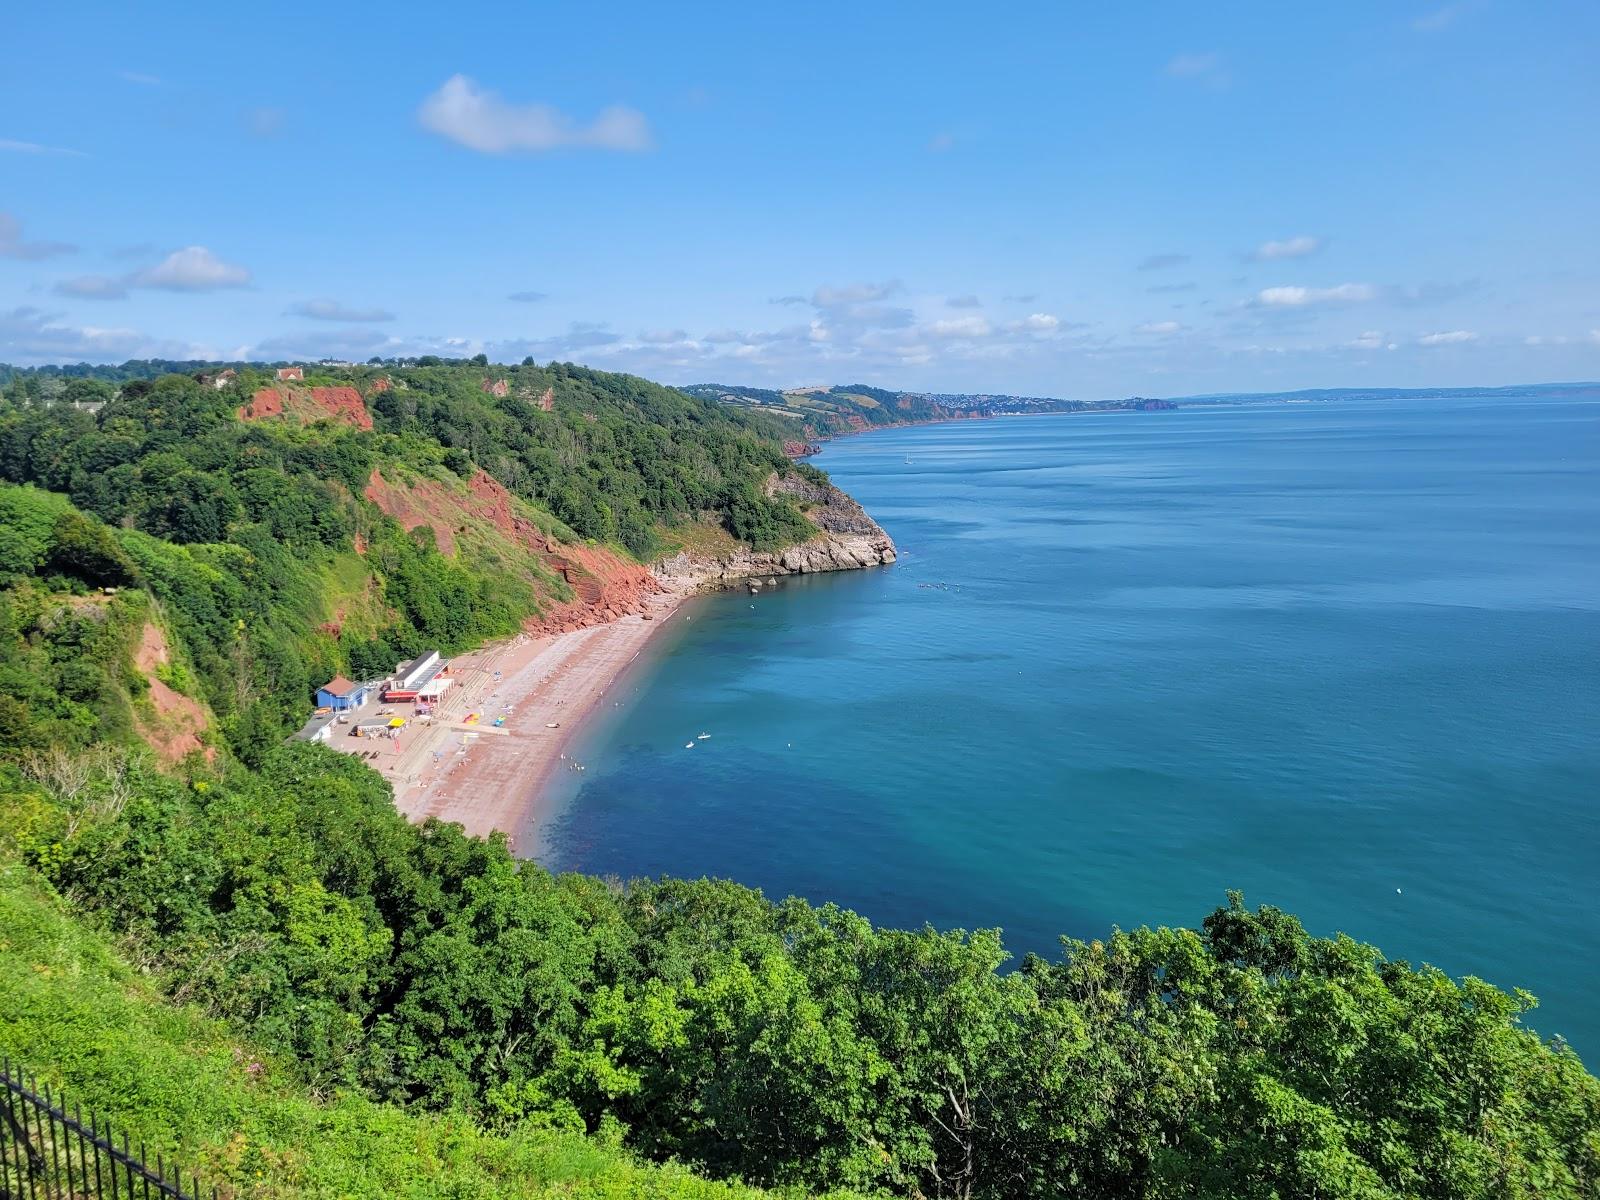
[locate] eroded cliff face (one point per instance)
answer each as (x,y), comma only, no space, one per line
(846,539)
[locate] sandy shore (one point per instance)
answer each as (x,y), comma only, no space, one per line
(491,778)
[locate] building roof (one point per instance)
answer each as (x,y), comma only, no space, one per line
(420,670)
(338,686)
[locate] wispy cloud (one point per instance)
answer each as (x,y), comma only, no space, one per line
(1036,323)
(1440,19)
(264,122)
(1159,328)
(332,310)
(92,287)
(960,327)
(966,301)
(1295,247)
(140,78)
(1160,262)
(1592,338)
(17,147)
(479,119)
(528,297)
(1371,339)
(1207,68)
(31,335)
(192,269)
(12,244)
(1167,288)
(1293,296)
(1450,337)
(854,293)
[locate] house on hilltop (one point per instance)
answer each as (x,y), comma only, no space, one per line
(285,374)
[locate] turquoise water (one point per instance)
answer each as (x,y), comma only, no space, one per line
(1343,656)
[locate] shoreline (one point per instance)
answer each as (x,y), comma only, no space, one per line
(487,778)
(487,758)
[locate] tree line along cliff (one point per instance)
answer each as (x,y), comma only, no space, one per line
(338,520)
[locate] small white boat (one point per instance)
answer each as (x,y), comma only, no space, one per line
(704,736)
(688,745)
(552,725)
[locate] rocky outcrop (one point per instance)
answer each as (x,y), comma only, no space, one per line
(342,404)
(847,539)
(306,405)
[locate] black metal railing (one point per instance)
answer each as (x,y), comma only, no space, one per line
(50,1153)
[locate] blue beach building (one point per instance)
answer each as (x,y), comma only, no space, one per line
(341,695)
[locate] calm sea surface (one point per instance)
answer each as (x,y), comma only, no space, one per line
(1344,656)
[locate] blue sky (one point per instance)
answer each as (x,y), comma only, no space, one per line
(1059,199)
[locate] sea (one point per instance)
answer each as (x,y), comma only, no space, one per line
(1343,656)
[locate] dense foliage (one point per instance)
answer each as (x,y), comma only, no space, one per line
(410,982)
(183,1086)
(245,531)
(787,1044)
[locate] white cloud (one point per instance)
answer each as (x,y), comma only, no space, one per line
(17,147)
(1159,328)
(1451,337)
(12,245)
(92,287)
(1300,297)
(1372,339)
(1040,322)
(1295,247)
(332,310)
(480,120)
(960,327)
(192,269)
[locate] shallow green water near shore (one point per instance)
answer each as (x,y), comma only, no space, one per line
(1344,656)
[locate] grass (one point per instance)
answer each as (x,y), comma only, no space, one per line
(705,537)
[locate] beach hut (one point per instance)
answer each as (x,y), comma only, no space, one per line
(341,695)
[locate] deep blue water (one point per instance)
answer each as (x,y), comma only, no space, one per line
(1343,656)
